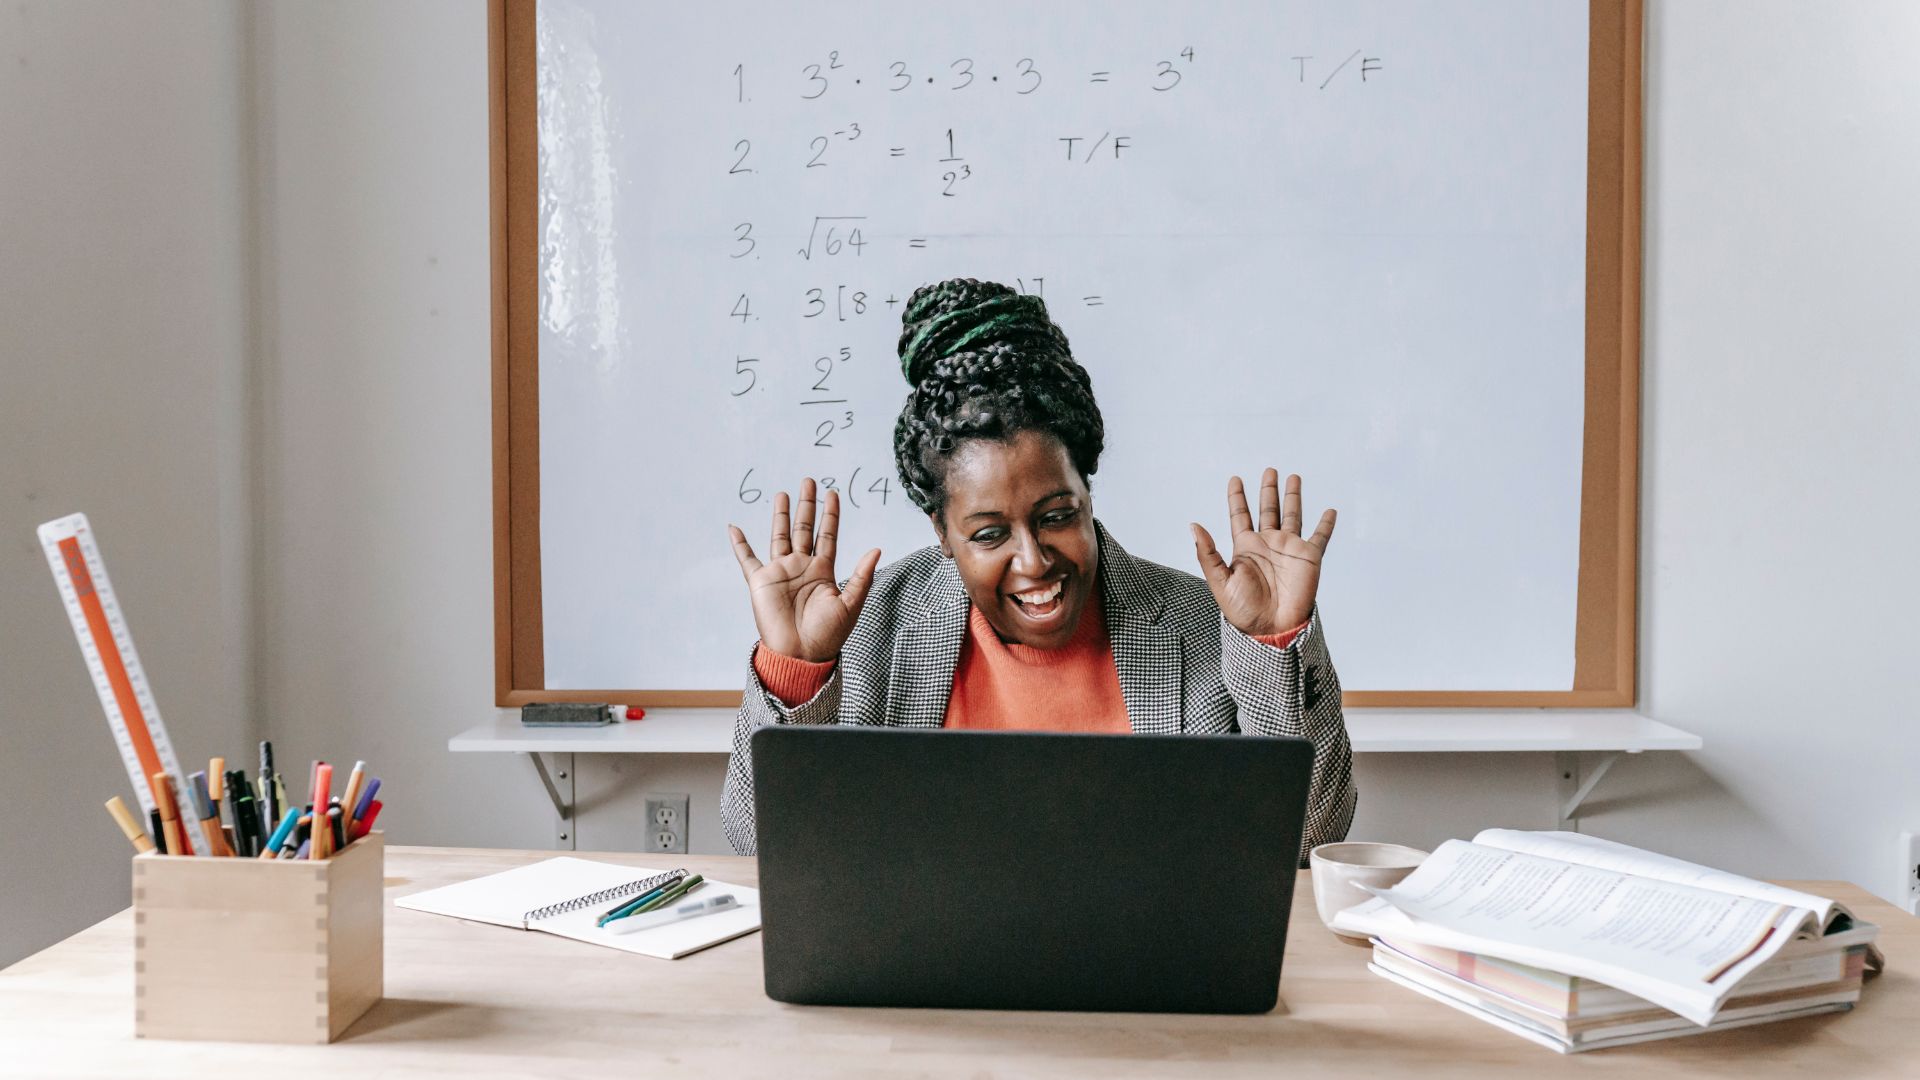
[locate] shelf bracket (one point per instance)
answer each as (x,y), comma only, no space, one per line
(562,795)
(1575,787)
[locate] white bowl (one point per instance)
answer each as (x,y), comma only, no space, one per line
(1339,871)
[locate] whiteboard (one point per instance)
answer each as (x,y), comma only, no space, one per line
(1345,239)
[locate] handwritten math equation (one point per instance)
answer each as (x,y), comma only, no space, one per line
(843,305)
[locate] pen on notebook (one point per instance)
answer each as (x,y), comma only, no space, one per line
(672,896)
(124,818)
(626,907)
(692,910)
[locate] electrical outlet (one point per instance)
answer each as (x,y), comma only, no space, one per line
(1909,896)
(666,824)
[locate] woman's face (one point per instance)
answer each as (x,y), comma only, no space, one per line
(1019,526)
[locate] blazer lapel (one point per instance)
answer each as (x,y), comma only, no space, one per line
(1146,651)
(927,653)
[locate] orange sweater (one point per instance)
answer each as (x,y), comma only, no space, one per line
(1003,686)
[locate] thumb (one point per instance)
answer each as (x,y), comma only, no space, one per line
(855,594)
(1212,566)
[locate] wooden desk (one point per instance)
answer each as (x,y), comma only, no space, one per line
(474,1002)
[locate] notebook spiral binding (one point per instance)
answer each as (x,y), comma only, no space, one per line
(631,888)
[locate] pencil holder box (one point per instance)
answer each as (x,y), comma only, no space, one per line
(257,950)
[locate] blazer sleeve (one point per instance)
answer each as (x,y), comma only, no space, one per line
(758,708)
(1294,692)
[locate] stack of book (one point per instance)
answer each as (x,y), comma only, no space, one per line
(1578,943)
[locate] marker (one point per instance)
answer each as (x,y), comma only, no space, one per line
(159,835)
(336,828)
(267,792)
(163,796)
(280,793)
(712,905)
(124,818)
(246,820)
(366,823)
(280,834)
(360,807)
(208,813)
(351,797)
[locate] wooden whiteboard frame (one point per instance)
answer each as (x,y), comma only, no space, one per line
(1605,636)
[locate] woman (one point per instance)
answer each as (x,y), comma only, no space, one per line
(1028,614)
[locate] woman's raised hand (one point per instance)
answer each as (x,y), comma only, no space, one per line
(797,603)
(1268,587)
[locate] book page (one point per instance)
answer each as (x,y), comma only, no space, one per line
(1682,947)
(504,899)
(1592,851)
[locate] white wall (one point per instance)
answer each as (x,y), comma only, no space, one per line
(123,331)
(1782,364)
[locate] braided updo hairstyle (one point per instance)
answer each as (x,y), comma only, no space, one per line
(985,362)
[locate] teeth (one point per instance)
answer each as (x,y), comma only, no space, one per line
(1039,596)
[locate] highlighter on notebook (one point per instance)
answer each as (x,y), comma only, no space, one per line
(693,910)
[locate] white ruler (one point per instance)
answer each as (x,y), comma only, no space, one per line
(107,645)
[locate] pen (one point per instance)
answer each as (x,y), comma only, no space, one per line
(366,800)
(169,812)
(246,821)
(124,818)
(672,896)
(280,834)
(269,796)
(366,823)
(208,814)
(280,793)
(710,906)
(351,797)
(336,827)
(159,835)
(627,907)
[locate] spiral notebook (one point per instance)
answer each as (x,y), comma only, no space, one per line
(566,896)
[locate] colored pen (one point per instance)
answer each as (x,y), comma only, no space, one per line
(270,803)
(336,828)
(711,905)
(169,812)
(124,818)
(159,835)
(672,896)
(355,779)
(246,821)
(366,800)
(280,834)
(366,823)
(627,907)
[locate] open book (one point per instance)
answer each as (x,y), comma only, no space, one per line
(567,896)
(1680,935)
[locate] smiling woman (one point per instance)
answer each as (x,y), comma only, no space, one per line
(1028,614)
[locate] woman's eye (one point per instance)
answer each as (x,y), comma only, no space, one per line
(1059,517)
(988,536)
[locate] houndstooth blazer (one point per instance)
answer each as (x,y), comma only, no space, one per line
(1182,669)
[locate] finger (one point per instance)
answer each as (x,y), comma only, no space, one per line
(803,519)
(1324,532)
(1212,566)
(855,593)
(829,528)
(1290,514)
(1238,519)
(781,544)
(743,552)
(1269,500)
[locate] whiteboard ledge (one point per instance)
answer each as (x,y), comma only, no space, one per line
(1372,731)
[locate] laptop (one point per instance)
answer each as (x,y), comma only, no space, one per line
(1017,870)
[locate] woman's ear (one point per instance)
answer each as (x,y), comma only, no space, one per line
(940,535)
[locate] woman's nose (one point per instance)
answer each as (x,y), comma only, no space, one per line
(1031,558)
